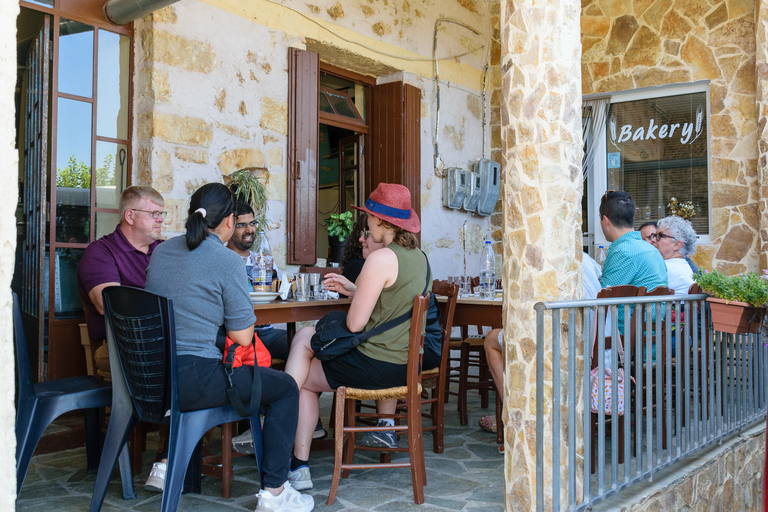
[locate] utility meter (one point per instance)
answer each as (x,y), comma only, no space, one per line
(470,203)
(455,187)
(489,172)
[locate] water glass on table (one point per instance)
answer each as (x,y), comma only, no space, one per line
(316,289)
(302,287)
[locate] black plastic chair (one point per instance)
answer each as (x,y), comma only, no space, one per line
(39,404)
(142,358)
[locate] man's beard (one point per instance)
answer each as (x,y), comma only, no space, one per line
(240,245)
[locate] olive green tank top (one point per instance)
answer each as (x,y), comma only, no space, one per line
(392,345)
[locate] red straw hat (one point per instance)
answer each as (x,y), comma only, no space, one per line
(392,203)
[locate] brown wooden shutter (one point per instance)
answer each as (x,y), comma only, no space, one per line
(396,139)
(303,83)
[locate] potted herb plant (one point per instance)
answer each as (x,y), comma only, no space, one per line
(249,188)
(737,303)
(339,228)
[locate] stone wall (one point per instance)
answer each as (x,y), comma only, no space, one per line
(211,97)
(761,67)
(9,185)
(730,480)
(627,45)
(541,195)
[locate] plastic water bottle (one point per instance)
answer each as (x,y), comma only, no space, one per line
(600,256)
(487,272)
(262,265)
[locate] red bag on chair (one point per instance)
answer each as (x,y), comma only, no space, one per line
(246,355)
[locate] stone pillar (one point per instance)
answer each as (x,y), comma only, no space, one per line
(9,177)
(761,97)
(541,130)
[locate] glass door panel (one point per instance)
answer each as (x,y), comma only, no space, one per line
(113,82)
(73,171)
(111,162)
(75,58)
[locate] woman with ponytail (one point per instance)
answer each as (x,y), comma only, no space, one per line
(208,286)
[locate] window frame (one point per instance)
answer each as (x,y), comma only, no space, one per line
(599,180)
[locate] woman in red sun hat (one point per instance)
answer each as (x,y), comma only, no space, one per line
(388,283)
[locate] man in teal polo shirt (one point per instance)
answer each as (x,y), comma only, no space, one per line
(630,260)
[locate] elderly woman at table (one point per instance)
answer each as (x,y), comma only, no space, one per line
(207,284)
(675,239)
(390,280)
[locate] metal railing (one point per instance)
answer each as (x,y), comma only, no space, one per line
(675,403)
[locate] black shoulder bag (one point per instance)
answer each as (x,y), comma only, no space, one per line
(231,387)
(333,338)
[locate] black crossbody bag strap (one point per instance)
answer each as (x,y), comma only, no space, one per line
(232,388)
(402,318)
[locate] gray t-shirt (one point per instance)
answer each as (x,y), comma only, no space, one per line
(208,287)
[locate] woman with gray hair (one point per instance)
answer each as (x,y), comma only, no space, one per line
(675,239)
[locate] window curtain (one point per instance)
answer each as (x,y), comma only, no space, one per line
(593,116)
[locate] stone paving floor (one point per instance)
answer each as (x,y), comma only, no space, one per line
(468,476)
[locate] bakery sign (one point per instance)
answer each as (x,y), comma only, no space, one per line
(684,131)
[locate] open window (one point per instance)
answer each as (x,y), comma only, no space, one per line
(345,136)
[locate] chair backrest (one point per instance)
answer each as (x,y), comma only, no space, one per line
(142,349)
(415,345)
(613,292)
(451,292)
(26,386)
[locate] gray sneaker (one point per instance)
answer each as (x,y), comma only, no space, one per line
(383,439)
(300,478)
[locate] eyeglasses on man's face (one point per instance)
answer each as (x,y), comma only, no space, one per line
(154,213)
(242,225)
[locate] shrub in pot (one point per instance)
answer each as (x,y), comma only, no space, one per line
(737,303)
(339,228)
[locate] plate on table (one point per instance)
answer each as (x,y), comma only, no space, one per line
(262,297)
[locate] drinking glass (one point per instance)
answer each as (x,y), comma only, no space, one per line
(302,287)
(316,286)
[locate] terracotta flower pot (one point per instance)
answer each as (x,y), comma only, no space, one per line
(735,317)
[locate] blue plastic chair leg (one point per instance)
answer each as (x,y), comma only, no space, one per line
(258,444)
(180,450)
(26,448)
(126,475)
(121,422)
(92,438)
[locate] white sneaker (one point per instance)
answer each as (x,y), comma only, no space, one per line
(243,443)
(156,480)
(300,479)
(290,500)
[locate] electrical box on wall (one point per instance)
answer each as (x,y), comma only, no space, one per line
(455,187)
(490,175)
(470,203)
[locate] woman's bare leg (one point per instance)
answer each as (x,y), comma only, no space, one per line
(309,408)
(495,357)
(300,356)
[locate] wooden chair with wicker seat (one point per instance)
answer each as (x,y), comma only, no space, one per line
(346,417)
(611,292)
(435,378)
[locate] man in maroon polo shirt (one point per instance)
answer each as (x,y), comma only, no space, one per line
(121,257)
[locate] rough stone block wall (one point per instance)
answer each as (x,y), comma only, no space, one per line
(641,43)
(731,481)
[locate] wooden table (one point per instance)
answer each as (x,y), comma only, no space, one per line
(476,311)
(291,311)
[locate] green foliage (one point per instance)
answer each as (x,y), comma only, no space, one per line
(250,189)
(77,174)
(340,225)
(751,287)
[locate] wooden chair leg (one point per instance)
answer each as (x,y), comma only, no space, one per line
(484,375)
(463,375)
(135,448)
(438,420)
(226,459)
(416,453)
(338,417)
(350,421)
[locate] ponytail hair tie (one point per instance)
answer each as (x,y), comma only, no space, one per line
(202,212)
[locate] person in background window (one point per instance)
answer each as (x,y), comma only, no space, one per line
(675,239)
(354,255)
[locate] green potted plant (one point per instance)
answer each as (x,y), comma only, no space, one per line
(737,303)
(247,184)
(339,228)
